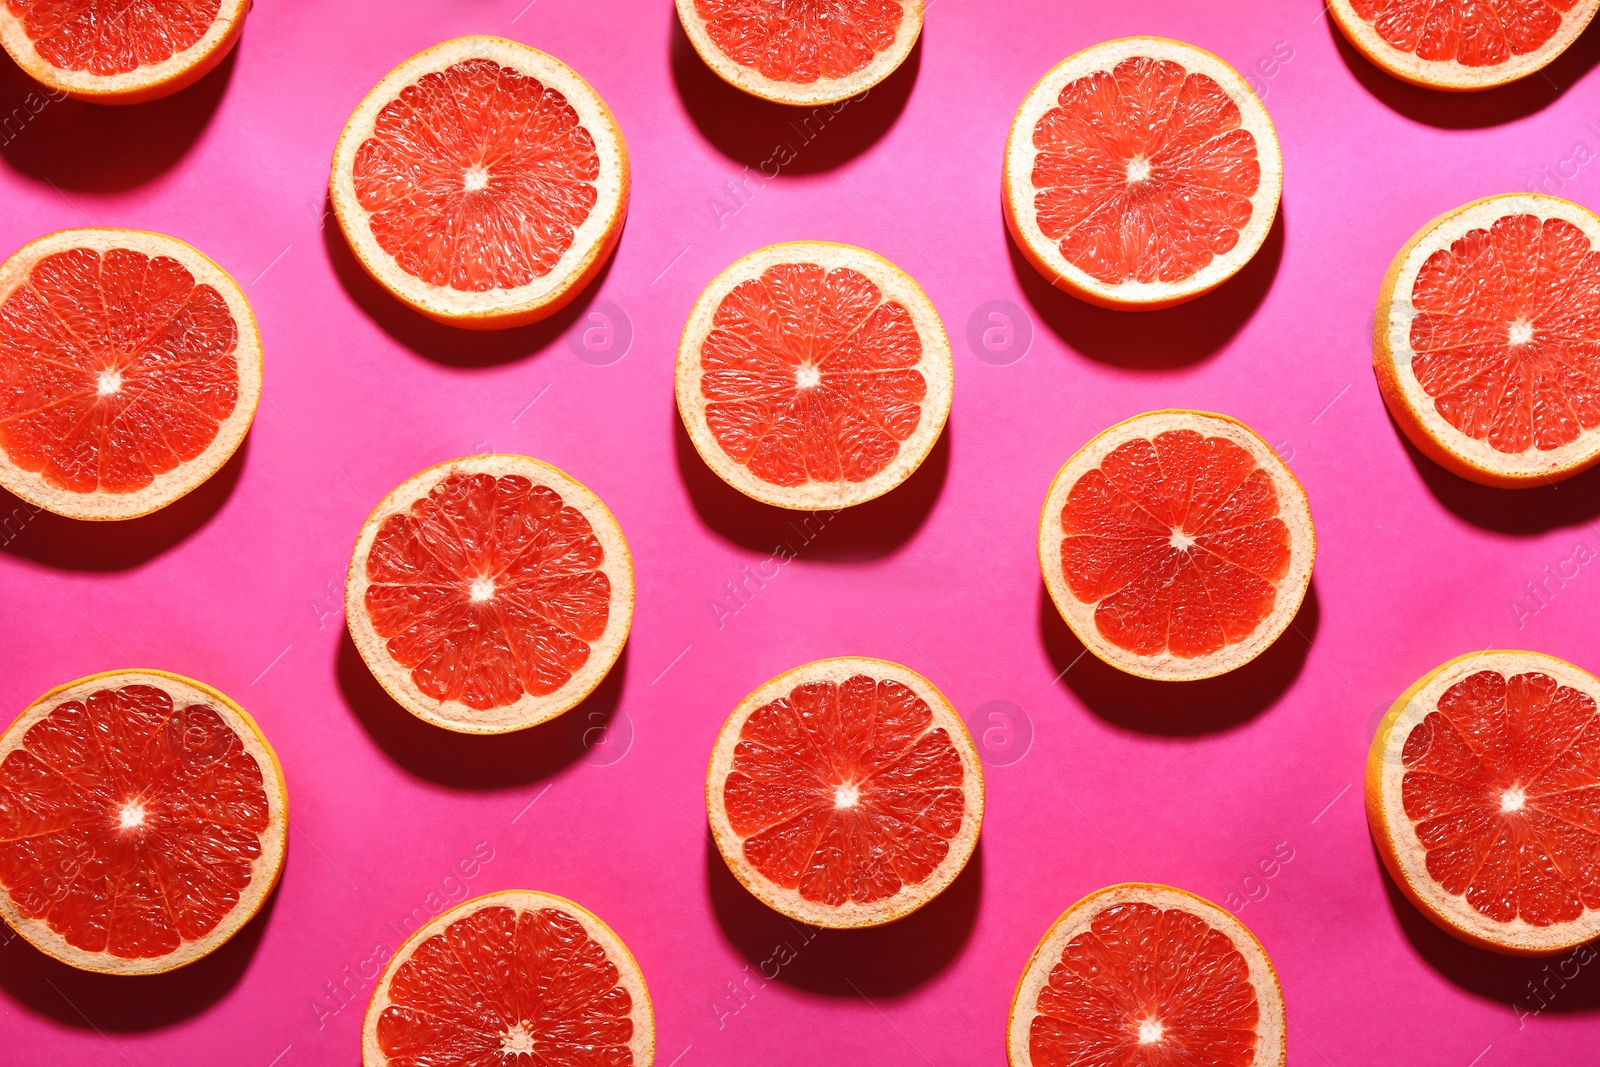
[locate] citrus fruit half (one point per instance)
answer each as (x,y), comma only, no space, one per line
(1145,975)
(490,594)
(482,182)
(806,53)
(1486,336)
(1461,44)
(511,977)
(1483,794)
(845,793)
(814,376)
(130,368)
(143,819)
(116,52)
(1176,545)
(1141,173)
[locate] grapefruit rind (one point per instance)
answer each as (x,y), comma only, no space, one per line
(629,976)
(1394,832)
(802,94)
(528,710)
(264,871)
(937,369)
(1411,406)
(592,242)
(151,82)
(851,915)
(1293,508)
(1271,1030)
(1017,189)
(186,477)
(1453,75)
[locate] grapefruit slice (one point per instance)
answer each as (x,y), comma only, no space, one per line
(116,52)
(1141,173)
(845,793)
(143,819)
(130,368)
(1483,794)
(1462,45)
(805,54)
(1486,340)
(1145,975)
(512,977)
(482,182)
(490,594)
(814,376)
(1177,545)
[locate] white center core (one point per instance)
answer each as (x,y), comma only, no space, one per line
(516,1041)
(1513,799)
(1150,1032)
(482,589)
(1138,170)
(1520,332)
(845,796)
(476,177)
(131,815)
(110,381)
(807,376)
(1180,540)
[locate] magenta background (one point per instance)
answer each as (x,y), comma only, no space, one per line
(241,584)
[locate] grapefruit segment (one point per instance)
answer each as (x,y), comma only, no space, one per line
(143,820)
(1147,976)
(808,53)
(1486,340)
(511,977)
(845,793)
(1141,173)
(490,594)
(130,369)
(1176,545)
(1483,794)
(813,376)
(482,182)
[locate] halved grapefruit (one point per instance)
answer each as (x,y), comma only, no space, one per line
(116,52)
(511,977)
(845,793)
(814,376)
(1483,794)
(1143,975)
(1141,173)
(1486,340)
(490,594)
(143,819)
(806,54)
(130,368)
(1462,44)
(1177,545)
(482,182)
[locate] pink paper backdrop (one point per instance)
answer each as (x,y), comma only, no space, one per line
(1103,778)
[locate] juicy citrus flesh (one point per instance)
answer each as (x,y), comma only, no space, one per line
(1178,541)
(845,791)
(1144,173)
(115,367)
(1147,987)
(111,37)
(477,177)
(503,986)
(1470,32)
(801,41)
(1502,782)
(130,825)
(1507,333)
(810,375)
(488,588)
